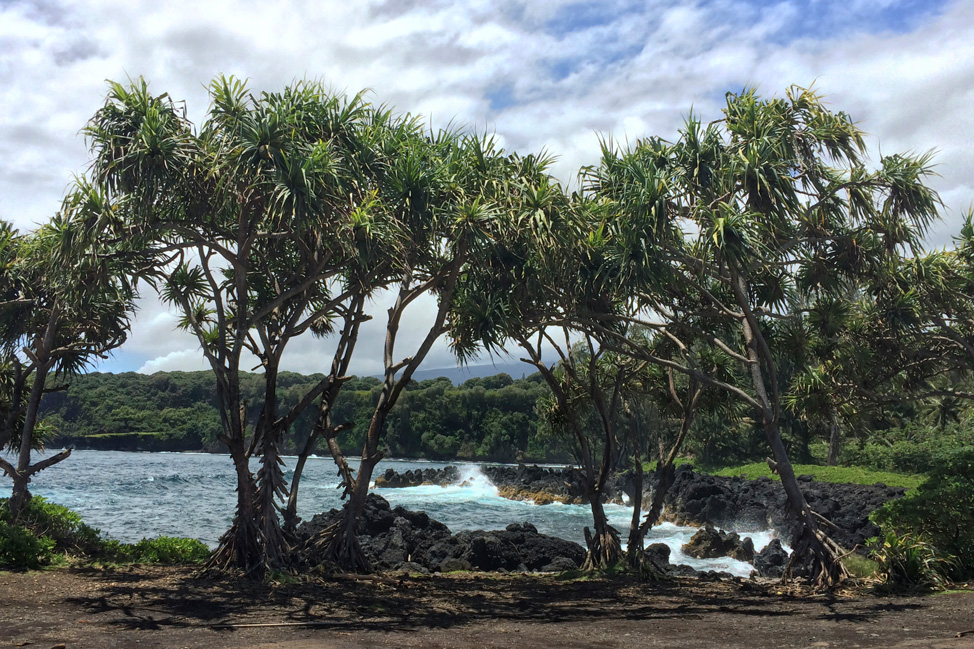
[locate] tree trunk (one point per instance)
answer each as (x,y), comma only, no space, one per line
(271,487)
(634,546)
(666,467)
(811,544)
(344,549)
(240,546)
(21,478)
(665,475)
(835,439)
(291,519)
(604,549)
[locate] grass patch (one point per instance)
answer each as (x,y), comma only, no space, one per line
(860,567)
(838,474)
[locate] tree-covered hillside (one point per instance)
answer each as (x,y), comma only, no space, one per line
(488,418)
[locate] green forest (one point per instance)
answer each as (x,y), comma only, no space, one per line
(756,287)
(490,419)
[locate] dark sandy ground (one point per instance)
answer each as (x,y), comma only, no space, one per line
(169,607)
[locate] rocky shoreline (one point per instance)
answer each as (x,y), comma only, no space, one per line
(398,539)
(695,499)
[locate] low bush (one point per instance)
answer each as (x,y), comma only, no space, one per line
(909,563)
(911,449)
(169,550)
(21,549)
(941,510)
(47,533)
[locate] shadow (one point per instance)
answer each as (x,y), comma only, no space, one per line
(154,598)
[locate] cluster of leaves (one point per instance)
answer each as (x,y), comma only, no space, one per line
(48,534)
(908,563)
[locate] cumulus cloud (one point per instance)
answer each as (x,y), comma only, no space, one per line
(185,360)
(549,75)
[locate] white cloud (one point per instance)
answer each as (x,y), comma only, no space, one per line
(184,360)
(567,70)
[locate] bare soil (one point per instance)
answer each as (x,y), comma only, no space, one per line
(172,608)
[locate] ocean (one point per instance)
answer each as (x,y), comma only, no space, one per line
(130,496)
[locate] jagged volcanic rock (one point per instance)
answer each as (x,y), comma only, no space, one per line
(392,537)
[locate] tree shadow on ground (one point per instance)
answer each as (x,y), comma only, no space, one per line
(143,598)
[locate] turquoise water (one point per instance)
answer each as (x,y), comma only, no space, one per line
(134,495)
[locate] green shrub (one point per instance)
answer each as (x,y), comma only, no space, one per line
(47,531)
(21,549)
(940,510)
(909,563)
(65,527)
(911,449)
(859,566)
(169,550)
(44,531)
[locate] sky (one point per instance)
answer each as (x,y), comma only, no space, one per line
(542,75)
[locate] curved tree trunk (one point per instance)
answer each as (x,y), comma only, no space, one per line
(344,549)
(812,544)
(634,545)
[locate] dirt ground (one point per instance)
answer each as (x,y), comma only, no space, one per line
(169,607)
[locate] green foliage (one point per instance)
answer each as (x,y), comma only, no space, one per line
(860,566)
(910,449)
(47,533)
(62,526)
(909,563)
(169,550)
(839,474)
(940,510)
(21,549)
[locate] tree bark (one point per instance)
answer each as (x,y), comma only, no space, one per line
(634,545)
(604,549)
(240,546)
(271,487)
(835,438)
(42,365)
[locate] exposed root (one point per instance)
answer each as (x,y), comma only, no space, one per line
(336,548)
(604,549)
(820,554)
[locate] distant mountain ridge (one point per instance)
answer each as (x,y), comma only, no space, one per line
(458,375)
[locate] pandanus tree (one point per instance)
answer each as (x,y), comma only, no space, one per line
(587,402)
(453,202)
(770,203)
(520,293)
(925,319)
(261,226)
(67,303)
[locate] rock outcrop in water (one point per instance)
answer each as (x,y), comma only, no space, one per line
(710,543)
(395,538)
(391,479)
(400,539)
